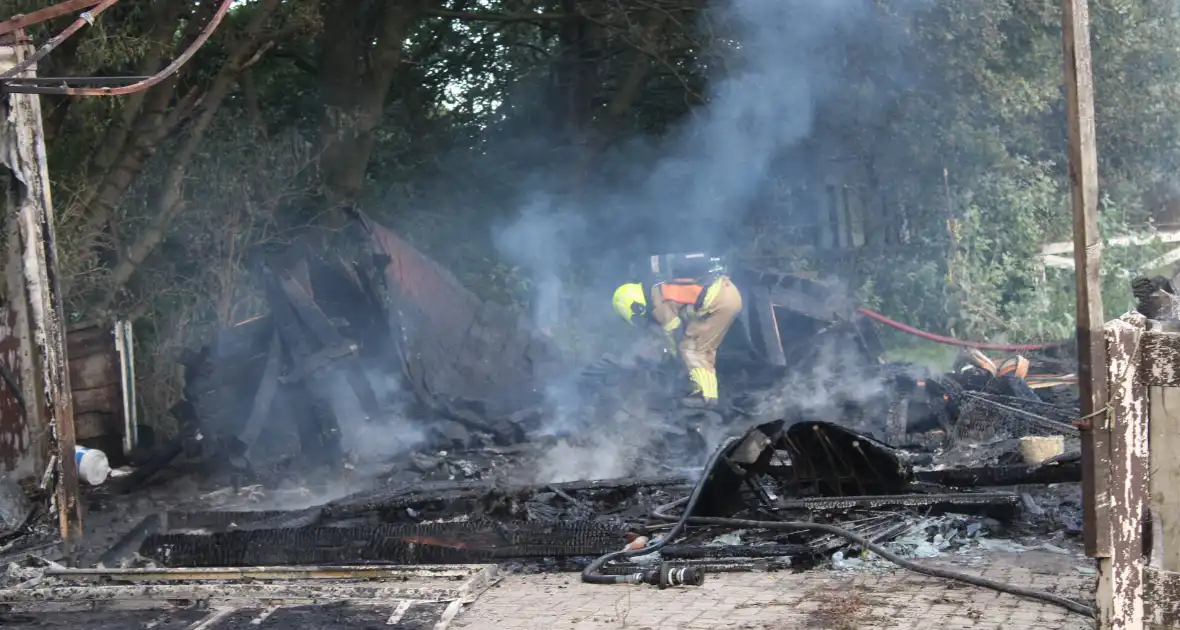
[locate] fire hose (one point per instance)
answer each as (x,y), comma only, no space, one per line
(666,576)
(1011,589)
(951,341)
(662,577)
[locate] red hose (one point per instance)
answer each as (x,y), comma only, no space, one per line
(951,341)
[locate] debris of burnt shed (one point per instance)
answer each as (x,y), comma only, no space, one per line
(917,444)
(394,332)
(810,470)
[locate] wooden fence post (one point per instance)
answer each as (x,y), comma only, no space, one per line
(1087,252)
(1120,576)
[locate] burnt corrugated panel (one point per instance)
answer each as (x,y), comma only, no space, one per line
(456,345)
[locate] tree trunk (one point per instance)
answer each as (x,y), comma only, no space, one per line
(246,52)
(145,122)
(630,87)
(360,54)
(581,52)
(148,130)
(161,42)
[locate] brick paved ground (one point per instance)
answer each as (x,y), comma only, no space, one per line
(816,600)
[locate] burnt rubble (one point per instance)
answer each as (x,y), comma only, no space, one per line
(811,470)
(392,354)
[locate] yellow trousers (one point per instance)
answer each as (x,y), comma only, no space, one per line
(703,333)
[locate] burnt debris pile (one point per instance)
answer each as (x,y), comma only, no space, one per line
(442,405)
(810,471)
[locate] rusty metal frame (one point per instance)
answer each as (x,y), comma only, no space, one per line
(21,22)
(49,46)
(88,17)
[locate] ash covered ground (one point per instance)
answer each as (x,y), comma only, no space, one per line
(981,462)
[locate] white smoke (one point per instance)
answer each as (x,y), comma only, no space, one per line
(783,59)
(372,441)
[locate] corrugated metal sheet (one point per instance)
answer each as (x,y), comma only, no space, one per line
(460,346)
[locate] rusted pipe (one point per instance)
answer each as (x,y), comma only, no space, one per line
(951,341)
(138,86)
(24,81)
(19,22)
(87,17)
(159,76)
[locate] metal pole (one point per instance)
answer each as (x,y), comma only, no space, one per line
(21,22)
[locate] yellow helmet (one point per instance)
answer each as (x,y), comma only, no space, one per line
(630,301)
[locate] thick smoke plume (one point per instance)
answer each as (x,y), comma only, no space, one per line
(783,60)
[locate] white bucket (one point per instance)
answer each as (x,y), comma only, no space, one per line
(93,467)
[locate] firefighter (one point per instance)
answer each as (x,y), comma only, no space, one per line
(694,315)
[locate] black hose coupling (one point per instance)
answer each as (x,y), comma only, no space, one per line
(668,575)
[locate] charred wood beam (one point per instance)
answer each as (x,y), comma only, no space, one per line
(1064,471)
(321,326)
(125,547)
(897,421)
(869,340)
(316,362)
(222,521)
(437,543)
(927,501)
(260,411)
(29,546)
(159,460)
(278,574)
(216,520)
(312,414)
(26,196)
(419,494)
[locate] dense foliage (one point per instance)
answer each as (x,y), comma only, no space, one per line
(450,124)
